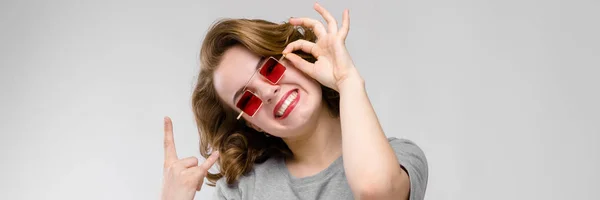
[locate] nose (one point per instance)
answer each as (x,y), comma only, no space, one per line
(268,92)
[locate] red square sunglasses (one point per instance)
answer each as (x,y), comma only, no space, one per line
(249,102)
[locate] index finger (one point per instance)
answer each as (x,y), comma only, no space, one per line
(169,144)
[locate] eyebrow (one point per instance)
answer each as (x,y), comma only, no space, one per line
(239,91)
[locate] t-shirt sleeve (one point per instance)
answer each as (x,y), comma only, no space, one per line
(413,160)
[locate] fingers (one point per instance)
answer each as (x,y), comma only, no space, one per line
(332,26)
(181,165)
(345,24)
(331,23)
(188,162)
(210,161)
(315,25)
(169,144)
(304,46)
(199,172)
(301,64)
(197,175)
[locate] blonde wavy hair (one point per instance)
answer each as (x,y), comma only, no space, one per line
(239,145)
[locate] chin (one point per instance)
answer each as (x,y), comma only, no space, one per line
(295,120)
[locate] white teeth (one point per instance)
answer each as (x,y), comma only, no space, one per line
(286,103)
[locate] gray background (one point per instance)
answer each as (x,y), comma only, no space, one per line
(501,95)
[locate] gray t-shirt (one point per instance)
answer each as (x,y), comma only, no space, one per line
(272,180)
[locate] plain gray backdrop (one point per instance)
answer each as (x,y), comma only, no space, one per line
(501,95)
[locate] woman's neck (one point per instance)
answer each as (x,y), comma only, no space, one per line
(319,145)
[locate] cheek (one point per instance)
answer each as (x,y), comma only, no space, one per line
(311,85)
(313,95)
(295,75)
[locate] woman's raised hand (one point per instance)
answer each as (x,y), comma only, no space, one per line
(182,177)
(333,65)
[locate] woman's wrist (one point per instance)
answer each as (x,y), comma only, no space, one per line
(352,81)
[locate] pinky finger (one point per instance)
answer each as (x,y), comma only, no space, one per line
(345,24)
(210,161)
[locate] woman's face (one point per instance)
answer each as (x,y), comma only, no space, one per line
(303,94)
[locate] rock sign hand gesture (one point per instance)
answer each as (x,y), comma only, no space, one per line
(182,177)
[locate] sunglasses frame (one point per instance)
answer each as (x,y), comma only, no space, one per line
(246,90)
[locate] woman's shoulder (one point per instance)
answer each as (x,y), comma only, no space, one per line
(408,151)
(412,158)
(247,182)
(405,145)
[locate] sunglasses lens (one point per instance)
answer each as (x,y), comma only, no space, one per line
(272,70)
(249,103)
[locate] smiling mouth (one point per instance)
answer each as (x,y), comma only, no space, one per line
(286,104)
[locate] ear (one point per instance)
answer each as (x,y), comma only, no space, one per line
(251,125)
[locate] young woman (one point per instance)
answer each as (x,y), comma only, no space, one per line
(284,112)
